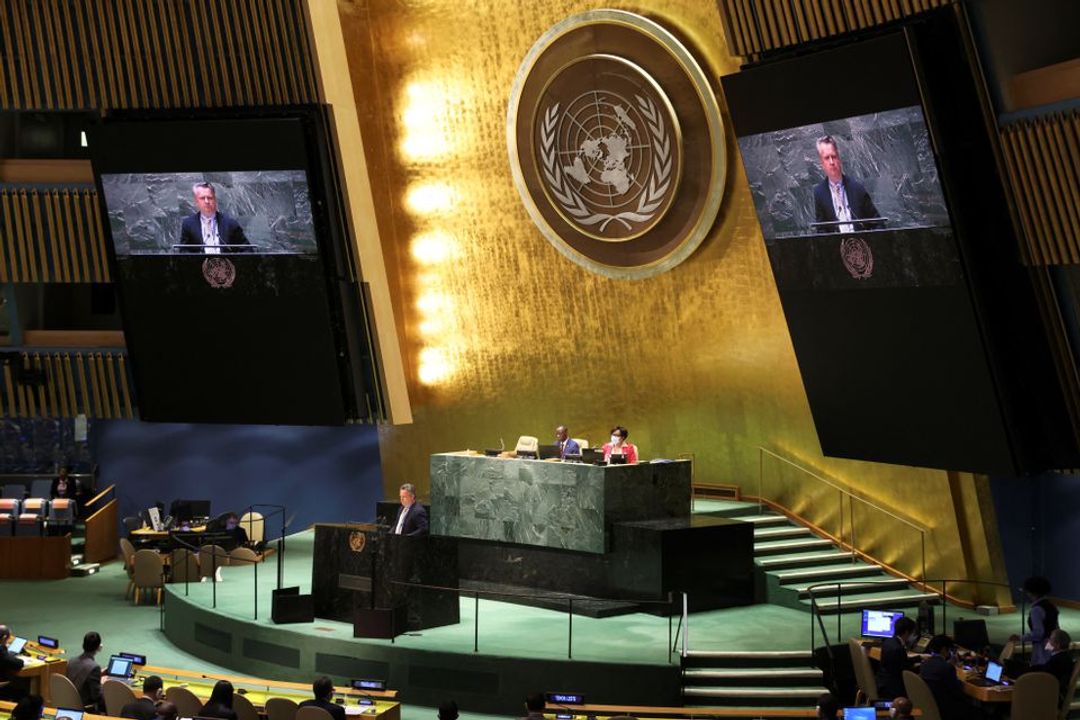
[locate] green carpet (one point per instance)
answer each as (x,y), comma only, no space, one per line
(66,609)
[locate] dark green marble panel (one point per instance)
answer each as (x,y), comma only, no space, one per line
(570,506)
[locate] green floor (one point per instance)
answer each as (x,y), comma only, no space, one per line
(66,609)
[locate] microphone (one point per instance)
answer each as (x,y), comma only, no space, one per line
(502,445)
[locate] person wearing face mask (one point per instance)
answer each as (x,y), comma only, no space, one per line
(1059,664)
(901,708)
(619,446)
(894,659)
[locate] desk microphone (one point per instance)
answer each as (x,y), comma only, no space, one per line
(502,445)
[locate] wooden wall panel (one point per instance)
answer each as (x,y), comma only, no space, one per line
(756,26)
(92,384)
(1043,160)
(52,236)
(90,54)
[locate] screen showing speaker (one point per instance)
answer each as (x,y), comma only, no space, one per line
(228,260)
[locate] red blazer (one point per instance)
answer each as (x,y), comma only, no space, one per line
(628,449)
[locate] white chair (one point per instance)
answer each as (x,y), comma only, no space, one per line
(187,705)
(582,443)
(255,526)
(919,694)
(1035,697)
(148,574)
(280,709)
(62,692)
(117,695)
(527,443)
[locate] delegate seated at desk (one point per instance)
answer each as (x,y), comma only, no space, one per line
(323,690)
(894,659)
(939,673)
(10,665)
(1060,664)
(619,446)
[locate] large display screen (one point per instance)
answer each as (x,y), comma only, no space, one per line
(846,184)
(226,269)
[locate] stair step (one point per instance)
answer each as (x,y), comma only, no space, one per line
(751,655)
(811,693)
(762,520)
(776,547)
(784,531)
(849,588)
(771,673)
(885,602)
(776,562)
(833,571)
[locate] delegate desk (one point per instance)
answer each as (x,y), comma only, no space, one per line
(259,690)
(984,694)
(569,506)
(38,672)
(605,712)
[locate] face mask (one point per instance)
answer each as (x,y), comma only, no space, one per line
(1049,648)
(615,439)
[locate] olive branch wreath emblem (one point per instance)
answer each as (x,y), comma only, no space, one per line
(571,201)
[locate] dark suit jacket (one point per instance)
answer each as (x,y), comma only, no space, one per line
(10,664)
(1060,665)
(141,709)
(416,522)
(858,200)
(940,675)
(229,232)
(85,674)
(890,674)
(336,711)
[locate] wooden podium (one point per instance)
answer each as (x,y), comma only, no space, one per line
(383,584)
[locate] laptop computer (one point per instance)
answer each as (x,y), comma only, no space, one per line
(879,623)
(17,645)
(991,677)
(548,452)
(860,713)
(614,459)
(68,714)
(593,456)
(120,667)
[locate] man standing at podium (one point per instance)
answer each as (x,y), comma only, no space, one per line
(412,517)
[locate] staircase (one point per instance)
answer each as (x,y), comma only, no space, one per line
(753,681)
(790,559)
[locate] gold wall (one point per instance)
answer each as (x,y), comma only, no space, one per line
(504,337)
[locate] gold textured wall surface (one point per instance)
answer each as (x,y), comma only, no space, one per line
(504,337)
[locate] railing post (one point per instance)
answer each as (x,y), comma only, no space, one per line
(922,536)
(570,631)
(760,480)
(813,613)
(476,623)
(851,521)
(213,573)
(839,611)
(685,625)
(840,497)
(667,650)
(256,588)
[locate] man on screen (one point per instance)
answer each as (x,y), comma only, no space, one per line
(839,197)
(209,228)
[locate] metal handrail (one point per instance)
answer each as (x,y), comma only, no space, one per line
(846,490)
(851,498)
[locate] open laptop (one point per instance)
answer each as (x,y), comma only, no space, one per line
(68,714)
(991,677)
(120,667)
(860,713)
(593,456)
(547,452)
(17,645)
(879,623)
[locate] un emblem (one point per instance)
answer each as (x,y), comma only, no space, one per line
(600,115)
(609,155)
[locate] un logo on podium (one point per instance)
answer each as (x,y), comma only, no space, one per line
(616,144)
